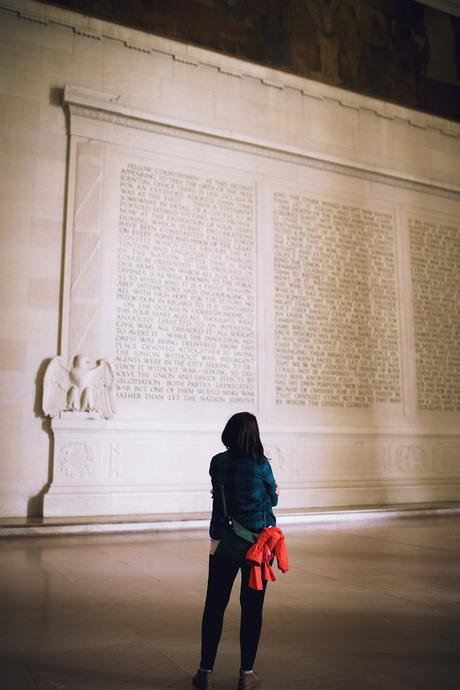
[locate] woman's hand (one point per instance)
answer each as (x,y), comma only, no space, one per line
(277,490)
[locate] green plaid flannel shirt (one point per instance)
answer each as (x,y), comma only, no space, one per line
(249,492)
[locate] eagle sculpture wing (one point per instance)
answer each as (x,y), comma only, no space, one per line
(103,389)
(56,383)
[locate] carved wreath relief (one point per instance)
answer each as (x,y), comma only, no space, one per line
(76,461)
(412,459)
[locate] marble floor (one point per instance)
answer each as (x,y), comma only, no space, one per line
(368,606)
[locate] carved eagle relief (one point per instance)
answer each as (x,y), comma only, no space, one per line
(86,387)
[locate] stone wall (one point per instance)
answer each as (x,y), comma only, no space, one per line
(234,238)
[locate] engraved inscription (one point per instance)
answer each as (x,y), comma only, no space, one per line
(435,266)
(185,327)
(336,316)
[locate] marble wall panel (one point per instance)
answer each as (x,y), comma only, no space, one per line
(161,211)
(240,122)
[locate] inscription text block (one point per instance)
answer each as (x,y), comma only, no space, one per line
(186,306)
(435,266)
(336,316)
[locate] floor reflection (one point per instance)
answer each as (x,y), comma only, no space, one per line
(364,606)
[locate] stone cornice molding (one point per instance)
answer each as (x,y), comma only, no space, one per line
(136,427)
(106,107)
(134,39)
(449,6)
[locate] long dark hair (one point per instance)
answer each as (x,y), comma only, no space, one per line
(241,437)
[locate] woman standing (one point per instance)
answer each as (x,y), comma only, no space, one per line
(251,493)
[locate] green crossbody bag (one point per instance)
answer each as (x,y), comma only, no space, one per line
(236,539)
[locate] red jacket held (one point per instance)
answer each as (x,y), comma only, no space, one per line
(270,542)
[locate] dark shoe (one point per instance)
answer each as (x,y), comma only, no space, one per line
(248,681)
(202,680)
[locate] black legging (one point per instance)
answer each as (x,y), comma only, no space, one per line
(222,573)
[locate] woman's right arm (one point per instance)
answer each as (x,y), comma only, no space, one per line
(216,517)
(269,482)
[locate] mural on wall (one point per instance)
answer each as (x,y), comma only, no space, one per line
(404,52)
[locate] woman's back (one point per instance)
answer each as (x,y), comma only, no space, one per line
(250,492)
